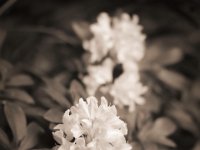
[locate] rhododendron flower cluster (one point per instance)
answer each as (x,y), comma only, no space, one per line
(116,40)
(89,126)
(127,91)
(119,35)
(98,75)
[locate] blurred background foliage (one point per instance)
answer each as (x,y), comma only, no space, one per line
(42,62)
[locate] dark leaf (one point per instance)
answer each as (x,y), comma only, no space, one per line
(195,90)
(173,79)
(151,146)
(20,80)
(16,120)
(77,91)
(58,97)
(129,118)
(54,115)
(42,149)
(20,95)
(82,30)
(136,146)
(55,148)
(197,146)
(156,55)
(182,117)
(5,68)
(56,84)
(2,37)
(56,90)
(52,125)
(32,137)
(158,132)
(44,99)
(30,110)
(153,103)
(4,141)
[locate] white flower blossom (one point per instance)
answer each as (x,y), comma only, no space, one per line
(121,35)
(127,90)
(129,40)
(87,126)
(102,41)
(98,75)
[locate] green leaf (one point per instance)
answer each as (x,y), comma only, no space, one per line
(16,120)
(32,137)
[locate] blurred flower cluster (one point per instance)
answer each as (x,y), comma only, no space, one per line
(87,126)
(118,35)
(116,40)
(99,75)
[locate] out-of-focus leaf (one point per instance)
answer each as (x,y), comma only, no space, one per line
(16,120)
(77,91)
(173,79)
(20,95)
(157,56)
(56,90)
(152,104)
(32,137)
(57,96)
(142,117)
(55,148)
(42,149)
(20,80)
(184,120)
(158,132)
(54,115)
(74,65)
(129,118)
(30,110)
(193,110)
(197,146)
(195,90)
(52,125)
(61,79)
(4,141)
(151,146)
(2,37)
(44,99)
(5,68)
(82,29)
(136,146)
(55,84)
(44,61)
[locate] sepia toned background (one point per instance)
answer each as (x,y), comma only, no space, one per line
(42,62)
